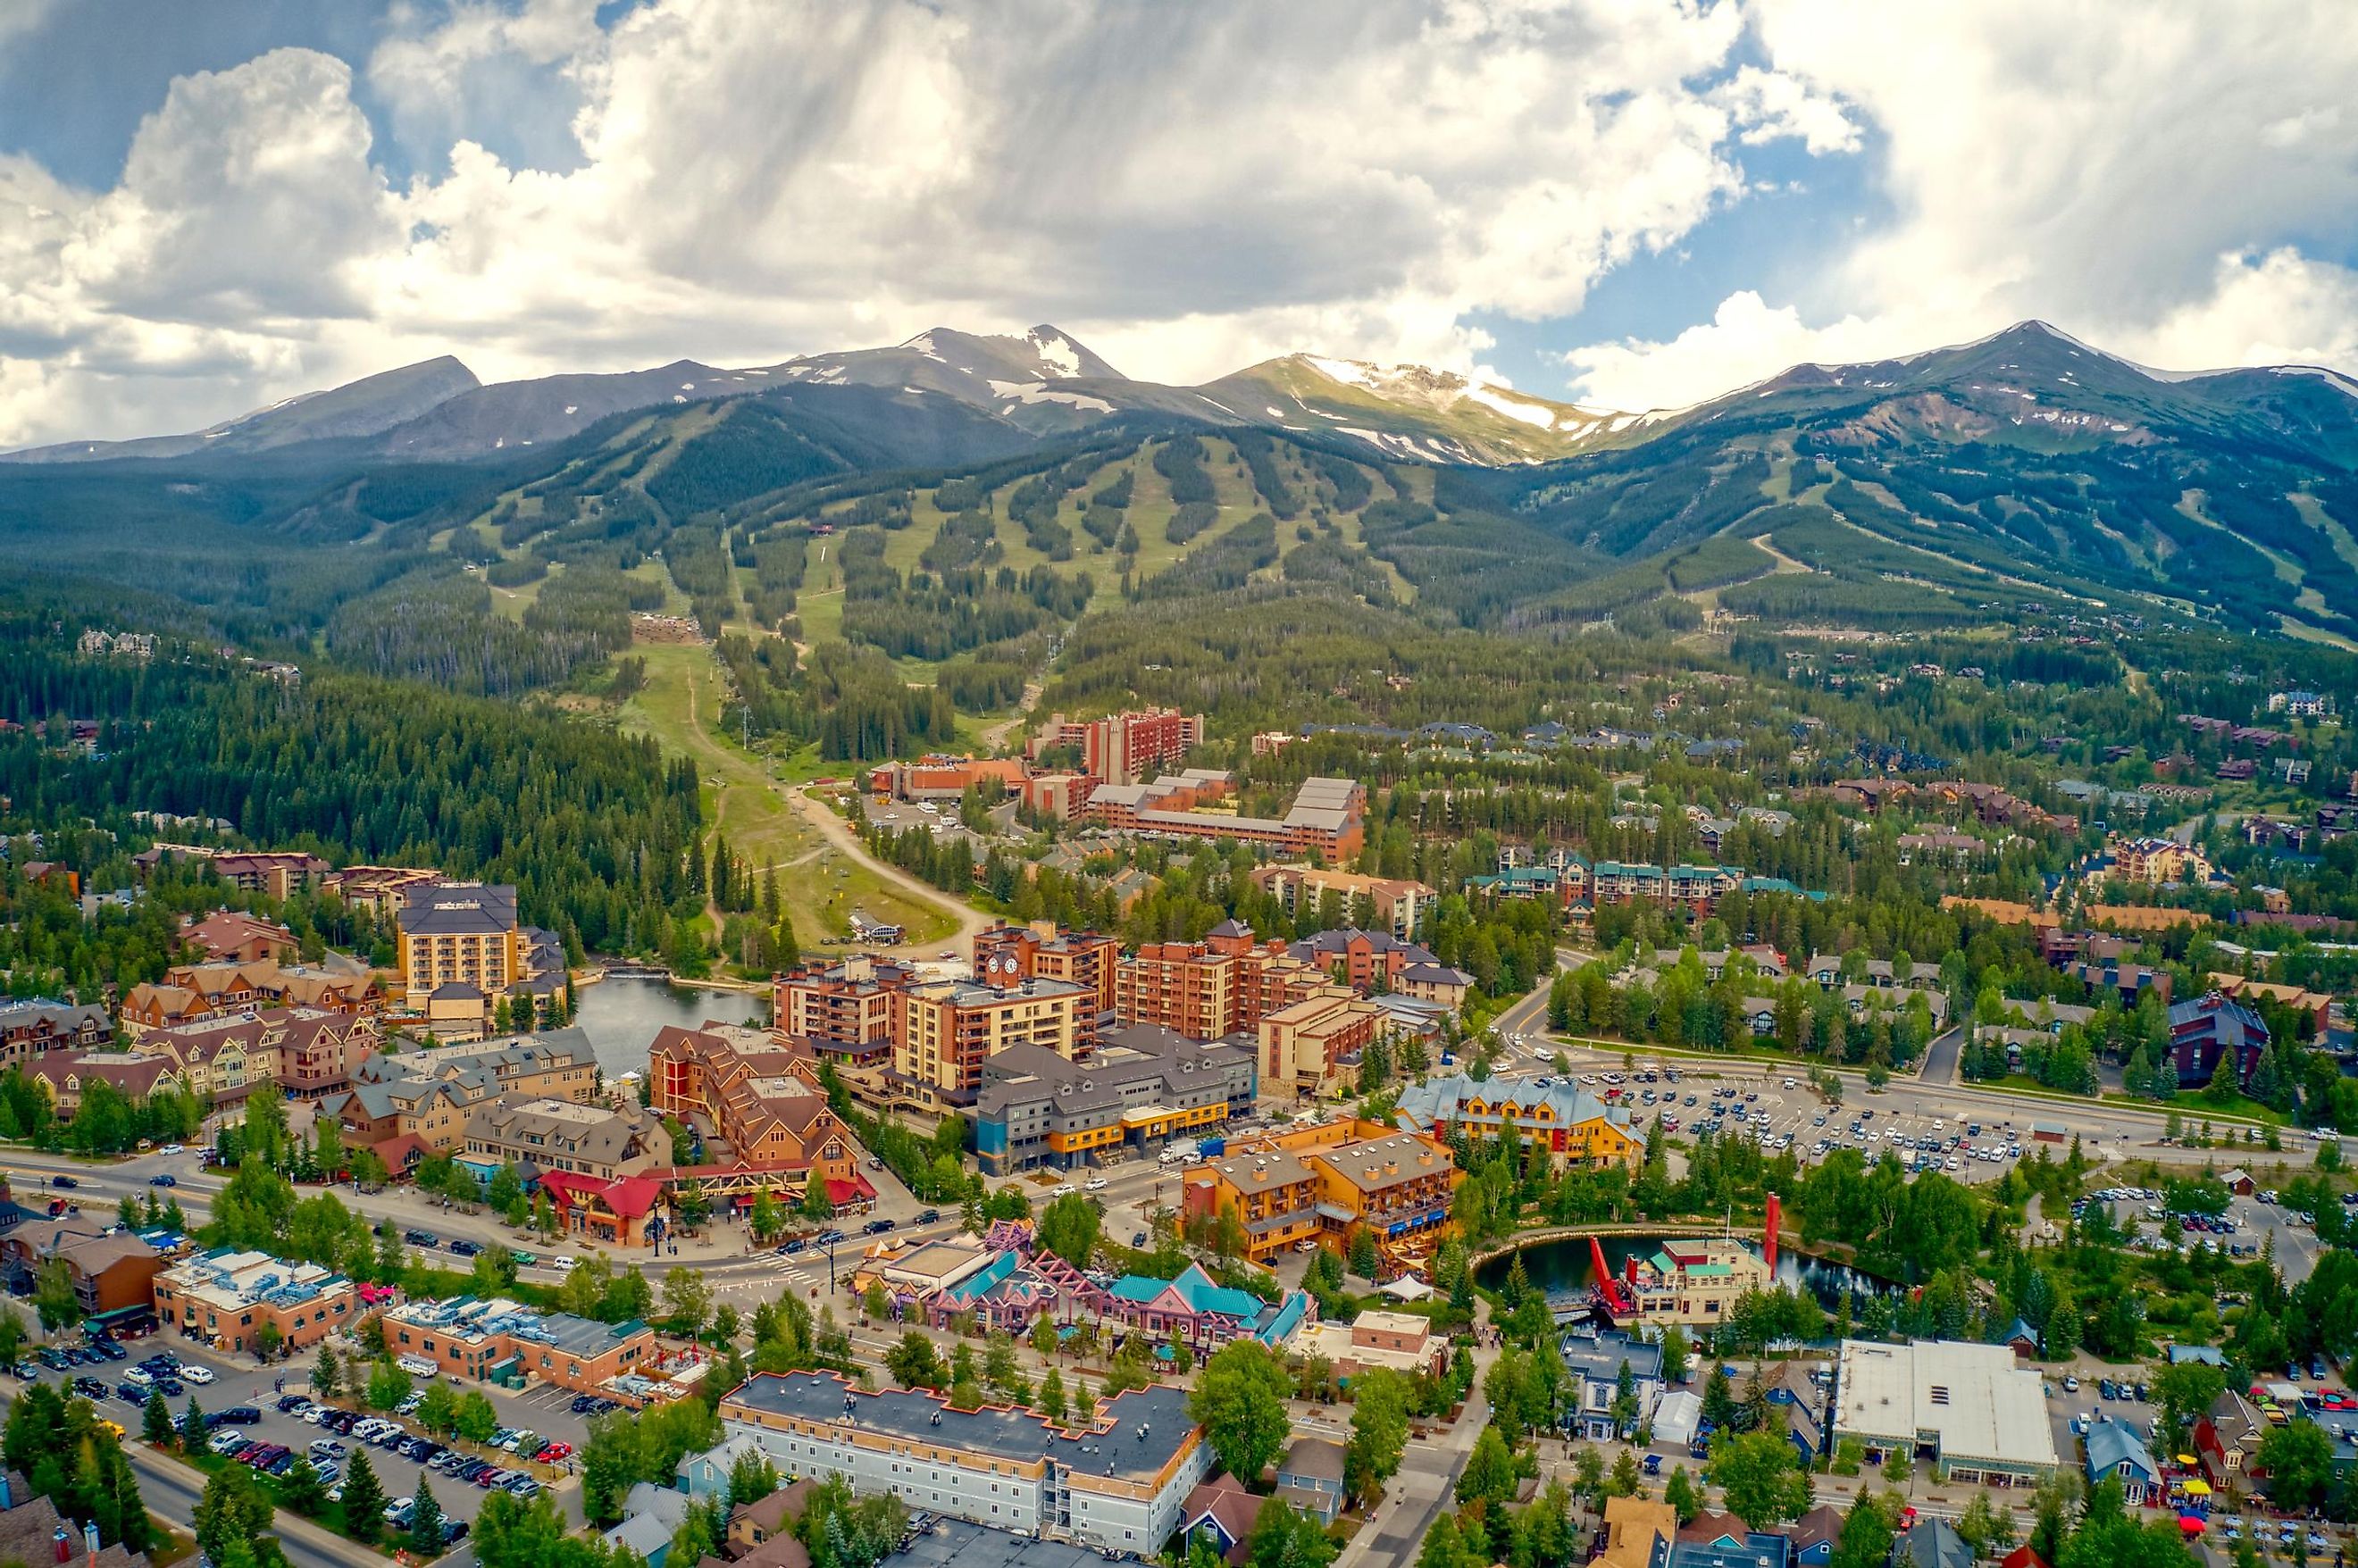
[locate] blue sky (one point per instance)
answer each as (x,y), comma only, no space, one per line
(205,208)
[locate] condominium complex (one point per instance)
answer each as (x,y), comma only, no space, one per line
(1041,951)
(424,1096)
(1555,1113)
(544,1135)
(1326,817)
(947,1029)
(1115,1485)
(1391,904)
(459,934)
(752,1095)
(1122,748)
(844,1009)
(1225,983)
(301,1050)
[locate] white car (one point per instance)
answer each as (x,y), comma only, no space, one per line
(563,1265)
(173,1149)
(1096,1183)
(192,1373)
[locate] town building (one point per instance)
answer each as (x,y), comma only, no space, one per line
(1391,904)
(1973,1409)
(378,891)
(1555,1113)
(936,776)
(1116,1486)
(844,1009)
(2115,1452)
(543,1135)
(299,1051)
(500,1341)
(1401,1342)
(1694,1280)
(1005,955)
(1596,1361)
(232,936)
(1324,1184)
(1307,1044)
(1143,1087)
(1225,984)
(66,1075)
(191,993)
(109,1273)
(234,1300)
(944,1031)
(2153,862)
(755,1095)
(426,1094)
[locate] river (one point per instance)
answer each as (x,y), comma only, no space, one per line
(621,1017)
(1564,1272)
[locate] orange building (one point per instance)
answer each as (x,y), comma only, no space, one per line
(504,1341)
(228,1298)
(945,1029)
(1325,1182)
(1041,951)
(845,1010)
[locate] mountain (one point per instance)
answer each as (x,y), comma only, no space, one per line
(1411,412)
(1961,479)
(365,407)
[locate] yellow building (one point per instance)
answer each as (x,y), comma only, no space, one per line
(461,934)
(1326,1181)
(1555,1113)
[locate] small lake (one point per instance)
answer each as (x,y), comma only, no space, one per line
(621,1017)
(1564,1272)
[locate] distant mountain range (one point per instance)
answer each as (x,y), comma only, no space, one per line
(1946,485)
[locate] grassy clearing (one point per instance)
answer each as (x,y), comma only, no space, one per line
(743,797)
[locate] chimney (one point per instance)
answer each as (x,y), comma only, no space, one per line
(62,1540)
(89,1543)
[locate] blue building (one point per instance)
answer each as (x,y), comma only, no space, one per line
(2115,1449)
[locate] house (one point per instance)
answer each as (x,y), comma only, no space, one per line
(1221,1513)
(32,1025)
(705,1475)
(2115,1449)
(651,1514)
(2226,1438)
(1797,1396)
(1932,1542)
(2022,1557)
(1310,1478)
(1721,1541)
(1814,1536)
(2240,1182)
(1639,1533)
(1598,1363)
(762,1534)
(2022,1339)
(32,1530)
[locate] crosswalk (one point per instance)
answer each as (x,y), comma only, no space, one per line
(794,1274)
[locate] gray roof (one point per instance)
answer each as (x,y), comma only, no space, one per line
(1600,1359)
(460,909)
(1127,1059)
(2110,1442)
(954,1541)
(1148,1424)
(1932,1543)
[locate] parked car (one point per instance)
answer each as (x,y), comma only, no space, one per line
(192,1373)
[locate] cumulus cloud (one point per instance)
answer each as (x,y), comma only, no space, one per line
(1188,188)
(1198,186)
(2085,165)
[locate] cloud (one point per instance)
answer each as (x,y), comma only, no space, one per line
(1770,104)
(740,179)
(2081,164)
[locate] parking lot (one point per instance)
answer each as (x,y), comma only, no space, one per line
(546,1412)
(1788,1113)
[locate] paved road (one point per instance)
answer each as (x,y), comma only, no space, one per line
(1942,1057)
(971,922)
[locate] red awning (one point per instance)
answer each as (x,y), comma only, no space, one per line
(840,1192)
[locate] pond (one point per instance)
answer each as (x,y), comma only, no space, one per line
(1563,1270)
(621,1016)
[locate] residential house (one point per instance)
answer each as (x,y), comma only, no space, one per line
(233,937)
(2115,1450)
(1932,1542)
(1597,1362)
(1639,1533)
(1310,1478)
(1714,1540)
(2228,1439)
(1221,1514)
(1815,1535)
(2209,1028)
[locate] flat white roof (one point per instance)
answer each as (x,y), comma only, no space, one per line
(1976,1401)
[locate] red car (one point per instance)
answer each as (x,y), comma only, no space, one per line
(555,1454)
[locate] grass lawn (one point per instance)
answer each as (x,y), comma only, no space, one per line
(743,798)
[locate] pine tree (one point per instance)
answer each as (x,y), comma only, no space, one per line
(425,1524)
(364,1499)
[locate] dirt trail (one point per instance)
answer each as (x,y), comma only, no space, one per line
(971,922)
